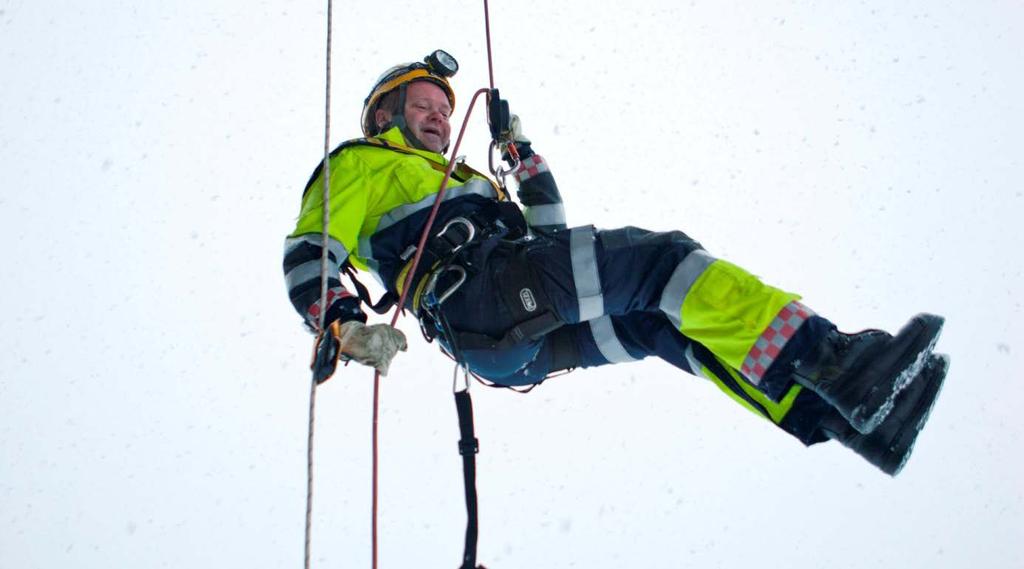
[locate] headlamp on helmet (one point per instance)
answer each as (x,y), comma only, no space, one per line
(442,63)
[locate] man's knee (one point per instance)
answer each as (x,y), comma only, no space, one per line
(626,237)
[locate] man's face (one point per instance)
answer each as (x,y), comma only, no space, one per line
(426,113)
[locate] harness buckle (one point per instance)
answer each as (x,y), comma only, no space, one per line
(469,447)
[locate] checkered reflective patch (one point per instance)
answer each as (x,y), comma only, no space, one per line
(332,295)
(773,339)
(531,167)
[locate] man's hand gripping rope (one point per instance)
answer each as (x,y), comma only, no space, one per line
(374,346)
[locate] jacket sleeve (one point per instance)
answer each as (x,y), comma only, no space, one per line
(542,203)
(302,269)
(304,247)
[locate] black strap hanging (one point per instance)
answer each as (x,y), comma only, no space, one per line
(469,446)
(383,304)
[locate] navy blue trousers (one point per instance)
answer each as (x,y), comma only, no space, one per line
(607,287)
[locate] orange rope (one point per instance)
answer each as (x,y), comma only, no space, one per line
(407,285)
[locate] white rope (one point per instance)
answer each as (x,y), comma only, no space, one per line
(323,286)
(309,472)
(327,178)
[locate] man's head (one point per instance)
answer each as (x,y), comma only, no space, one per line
(426,112)
(415,97)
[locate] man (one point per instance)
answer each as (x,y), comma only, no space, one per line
(515,295)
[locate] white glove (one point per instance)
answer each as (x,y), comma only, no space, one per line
(374,345)
(513,134)
(516,130)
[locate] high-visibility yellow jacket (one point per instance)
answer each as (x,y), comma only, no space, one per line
(381,193)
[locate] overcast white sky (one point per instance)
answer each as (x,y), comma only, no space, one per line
(153,376)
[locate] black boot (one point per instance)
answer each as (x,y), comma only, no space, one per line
(860,374)
(889,446)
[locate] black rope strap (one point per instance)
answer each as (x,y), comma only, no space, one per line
(469,446)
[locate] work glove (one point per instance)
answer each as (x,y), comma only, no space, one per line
(516,131)
(514,135)
(374,345)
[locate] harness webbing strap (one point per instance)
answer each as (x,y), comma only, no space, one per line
(540,325)
(469,446)
(383,304)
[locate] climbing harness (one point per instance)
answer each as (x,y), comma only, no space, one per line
(519,289)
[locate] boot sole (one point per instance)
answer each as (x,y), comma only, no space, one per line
(906,437)
(867,416)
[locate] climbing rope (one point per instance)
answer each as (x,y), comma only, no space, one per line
(487,32)
(323,287)
(407,285)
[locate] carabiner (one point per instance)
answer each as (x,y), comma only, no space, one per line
(455,378)
(470,232)
(429,295)
(499,172)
